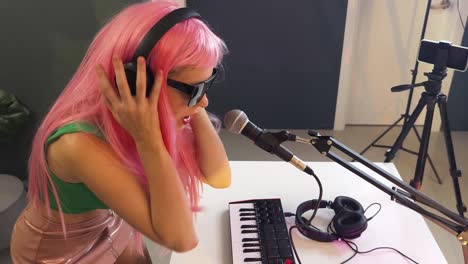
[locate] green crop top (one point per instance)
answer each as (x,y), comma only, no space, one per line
(74,198)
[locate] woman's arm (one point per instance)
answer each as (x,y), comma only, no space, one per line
(164,217)
(211,155)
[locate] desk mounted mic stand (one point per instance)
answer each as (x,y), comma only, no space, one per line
(403,194)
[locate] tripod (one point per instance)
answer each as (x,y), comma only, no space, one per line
(429,98)
(405,116)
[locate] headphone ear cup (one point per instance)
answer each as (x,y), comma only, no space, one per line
(344,203)
(130,69)
(350,220)
(350,225)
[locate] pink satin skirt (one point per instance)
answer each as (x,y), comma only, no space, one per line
(36,239)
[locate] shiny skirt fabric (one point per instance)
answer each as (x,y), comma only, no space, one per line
(36,239)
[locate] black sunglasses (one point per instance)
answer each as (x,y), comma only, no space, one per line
(196,91)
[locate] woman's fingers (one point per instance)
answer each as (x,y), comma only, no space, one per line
(154,96)
(110,97)
(141,80)
(121,80)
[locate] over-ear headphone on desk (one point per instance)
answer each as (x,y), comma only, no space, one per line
(349,220)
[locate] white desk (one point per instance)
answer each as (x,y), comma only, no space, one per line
(395,226)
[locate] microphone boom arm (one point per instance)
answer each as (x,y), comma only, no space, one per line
(453,223)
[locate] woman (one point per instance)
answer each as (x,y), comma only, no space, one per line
(119,163)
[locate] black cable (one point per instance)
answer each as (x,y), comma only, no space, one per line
(350,244)
(330,228)
(380,207)
(459,14)
(320,195)
(356,251)
(310,172)
(292,244)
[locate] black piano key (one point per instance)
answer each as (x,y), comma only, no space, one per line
(249,239)
(247,214)
(247,250)
(251,245)
(249,231)
(273,239)
(247,210)
(252,259)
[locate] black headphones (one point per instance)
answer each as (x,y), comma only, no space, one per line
(148,43)
(349,220)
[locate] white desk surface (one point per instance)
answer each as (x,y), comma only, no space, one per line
(395,226)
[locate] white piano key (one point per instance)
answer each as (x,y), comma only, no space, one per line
(238,255)
(250,255)
(248,222)
(250,235)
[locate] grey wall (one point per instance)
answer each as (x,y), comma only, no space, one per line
(283,68)
(458,97)
(41,46)
(284,62)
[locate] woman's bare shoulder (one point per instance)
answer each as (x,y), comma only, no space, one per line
(71,146)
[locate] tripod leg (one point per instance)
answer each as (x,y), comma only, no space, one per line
(390,154)
(381,136)
(454,172)
(423,147)
(428,157)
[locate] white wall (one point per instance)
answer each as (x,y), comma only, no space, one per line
(381,45)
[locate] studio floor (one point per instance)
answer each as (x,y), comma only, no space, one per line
(357,138)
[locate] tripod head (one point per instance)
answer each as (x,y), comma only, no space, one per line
(442,54)
(432,86)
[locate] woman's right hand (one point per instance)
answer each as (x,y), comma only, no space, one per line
(137,114)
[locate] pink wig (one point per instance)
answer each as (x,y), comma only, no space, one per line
(188,44)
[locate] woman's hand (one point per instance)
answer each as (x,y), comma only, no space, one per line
(138,115)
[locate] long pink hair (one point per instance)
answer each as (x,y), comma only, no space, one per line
(188,44)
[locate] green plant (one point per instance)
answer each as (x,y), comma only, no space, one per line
(13,114)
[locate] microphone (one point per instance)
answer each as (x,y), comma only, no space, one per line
(236,121)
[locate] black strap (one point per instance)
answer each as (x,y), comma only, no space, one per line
(160,28)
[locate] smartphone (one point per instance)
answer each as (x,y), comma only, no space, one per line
(457,55)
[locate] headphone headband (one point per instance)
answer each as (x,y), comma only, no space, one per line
(349,220)
(160,28)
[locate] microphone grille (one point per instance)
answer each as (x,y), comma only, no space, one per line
(235,120)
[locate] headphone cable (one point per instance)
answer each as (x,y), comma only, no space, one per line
(356,250)
(348,242)
(287,214)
